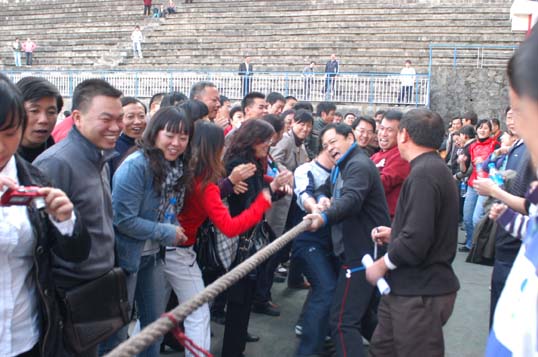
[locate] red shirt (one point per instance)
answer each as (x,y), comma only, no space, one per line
(60,131)
(393,170)
(480,150)
(201,205)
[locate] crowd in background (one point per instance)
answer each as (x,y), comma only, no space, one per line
(139,187)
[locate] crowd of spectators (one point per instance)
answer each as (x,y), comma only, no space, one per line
(141,187)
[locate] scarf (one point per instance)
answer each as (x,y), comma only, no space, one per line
(171,199)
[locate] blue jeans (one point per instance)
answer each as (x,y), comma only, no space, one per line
(478,213)
(468,211)
(17,57)
(146,289)
(321,270)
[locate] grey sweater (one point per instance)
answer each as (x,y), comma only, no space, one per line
(77,167)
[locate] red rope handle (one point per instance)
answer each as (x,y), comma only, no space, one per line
(184,340)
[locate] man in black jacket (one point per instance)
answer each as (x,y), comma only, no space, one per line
(422,247)
(357,205)
(245,72)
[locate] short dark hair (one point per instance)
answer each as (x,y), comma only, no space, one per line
(325,107)
(288,97)
(132,100)
(521,69)
(275,121)
(379,112)
(496,122)
(285,113)
(198,87)
(248,100)
(337,114)
(12,112)
(194,109)
(274,97)
(468,130)
(223,99)
(235,109)
(482,122)
(425,127)
(155,98)
(365,119)
(455,118)
(304,105)
(350,113)
(88,89)
(341,129)
(393,115)
(470,115)
(34,89)
(173,98)
(303,116)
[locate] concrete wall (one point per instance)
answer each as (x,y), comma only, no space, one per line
(483,90)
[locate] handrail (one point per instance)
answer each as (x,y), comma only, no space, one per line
(345,87)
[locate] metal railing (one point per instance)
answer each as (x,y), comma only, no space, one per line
(371,88)
(478,56)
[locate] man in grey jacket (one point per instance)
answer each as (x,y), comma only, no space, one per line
(77,165)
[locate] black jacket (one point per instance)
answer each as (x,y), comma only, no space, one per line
(358,205)
(74,248)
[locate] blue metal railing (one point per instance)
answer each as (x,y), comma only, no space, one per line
(471,55)
(346,87)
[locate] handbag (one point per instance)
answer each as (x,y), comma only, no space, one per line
(254,240)
(94,311)
(206,249)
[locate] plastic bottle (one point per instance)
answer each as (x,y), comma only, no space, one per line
(170,213)
(494,174)
(463,188)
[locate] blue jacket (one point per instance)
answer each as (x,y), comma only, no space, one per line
(136,208)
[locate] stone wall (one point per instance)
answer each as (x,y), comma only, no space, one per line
(483,90)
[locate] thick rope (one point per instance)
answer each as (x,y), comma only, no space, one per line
(160,327)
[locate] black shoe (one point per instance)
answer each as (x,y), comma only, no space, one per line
(252,338)
(464,249)
(266,309)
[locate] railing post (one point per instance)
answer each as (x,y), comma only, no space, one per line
(455,63)
(371,89)
(286,85)
(137,84)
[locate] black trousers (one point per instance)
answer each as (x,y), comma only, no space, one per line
(237,317)
(147,10)
(353,313)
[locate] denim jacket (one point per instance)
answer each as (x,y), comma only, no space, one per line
(136,208)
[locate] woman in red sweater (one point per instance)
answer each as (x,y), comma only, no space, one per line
(204,201)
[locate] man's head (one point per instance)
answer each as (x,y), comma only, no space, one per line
(469,118)
(254,105)
(304,105)
(349,118)
(43,103)
(97,112)
(407,63)
(495,126)
(134,117)
(333,57)
(337,139)
(456,124)
(276,103)
(523,92)
(337,118)
(312,64)
(510,124)
(326,110)
(378,116)
(364,130)
(207,93)
(155,103)
(387,131)
(225,106)
(247,59)
(290,103)
(420,130)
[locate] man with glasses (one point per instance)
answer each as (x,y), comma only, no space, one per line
(392,168)
(364,130)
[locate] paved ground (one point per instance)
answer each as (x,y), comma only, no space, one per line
(465,334)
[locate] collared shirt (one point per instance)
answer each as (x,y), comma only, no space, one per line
(19,317)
